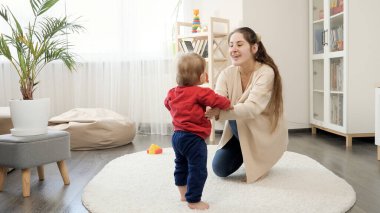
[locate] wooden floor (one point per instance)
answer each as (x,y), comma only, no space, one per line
(358,166)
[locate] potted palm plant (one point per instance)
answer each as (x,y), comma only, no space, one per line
(29,49)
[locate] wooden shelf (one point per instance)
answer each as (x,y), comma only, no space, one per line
(202,35)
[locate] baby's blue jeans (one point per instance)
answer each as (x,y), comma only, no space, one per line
(190,164)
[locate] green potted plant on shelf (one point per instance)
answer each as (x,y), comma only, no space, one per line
(29,49)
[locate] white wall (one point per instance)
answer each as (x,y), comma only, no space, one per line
(283,26)
(363,64)
(231,10)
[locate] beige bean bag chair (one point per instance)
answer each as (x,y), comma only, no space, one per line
(94,128)
(5,120)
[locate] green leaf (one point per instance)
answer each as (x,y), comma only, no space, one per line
(18,26)
(4,13)
(35,6)
(39,7)
(21,59)
(4,49)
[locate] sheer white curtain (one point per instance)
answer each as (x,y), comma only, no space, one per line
(126,61)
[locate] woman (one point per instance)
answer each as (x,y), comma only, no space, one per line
(256,133)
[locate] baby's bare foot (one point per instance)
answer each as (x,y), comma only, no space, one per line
(182,191)
(200,205)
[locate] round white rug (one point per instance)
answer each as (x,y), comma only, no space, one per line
(140,182)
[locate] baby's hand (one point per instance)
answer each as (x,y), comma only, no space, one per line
(212,112)
(230,108)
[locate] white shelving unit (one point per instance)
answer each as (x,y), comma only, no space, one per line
(217,53)
(341,79)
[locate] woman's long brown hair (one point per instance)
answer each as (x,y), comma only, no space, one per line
(275,106)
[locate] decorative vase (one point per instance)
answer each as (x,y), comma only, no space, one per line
(29,117)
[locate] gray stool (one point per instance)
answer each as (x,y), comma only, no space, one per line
(34,151)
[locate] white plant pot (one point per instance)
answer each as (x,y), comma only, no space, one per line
(29,117)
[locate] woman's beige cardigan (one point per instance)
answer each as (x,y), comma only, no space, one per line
(260,147)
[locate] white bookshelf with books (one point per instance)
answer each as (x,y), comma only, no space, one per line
(212,44)
(342,69)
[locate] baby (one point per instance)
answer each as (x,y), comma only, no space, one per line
(187,104)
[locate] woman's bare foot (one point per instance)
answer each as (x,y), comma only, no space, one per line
(182,191)
(200,205)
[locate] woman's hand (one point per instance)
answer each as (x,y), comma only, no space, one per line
(212,112)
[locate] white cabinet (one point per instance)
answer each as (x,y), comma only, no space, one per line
(211,44)
(343,67)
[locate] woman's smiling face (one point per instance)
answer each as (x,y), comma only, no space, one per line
(240,50)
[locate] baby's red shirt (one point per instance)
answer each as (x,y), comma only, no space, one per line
(187,106)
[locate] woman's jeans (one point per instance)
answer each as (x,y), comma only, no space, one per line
(190,164)
(228,159)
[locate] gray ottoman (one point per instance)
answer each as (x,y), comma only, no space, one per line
(34,151)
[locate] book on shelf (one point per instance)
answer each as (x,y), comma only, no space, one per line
(336,6)
(189,46)
(318,41)
(336,75)
(200,46)
(197,46)
(336,38)
(336,109)
(204,52)
(183,47)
